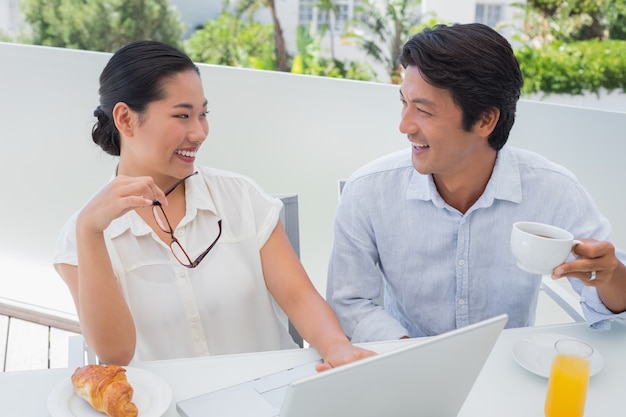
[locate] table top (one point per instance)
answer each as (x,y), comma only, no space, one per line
(502,388)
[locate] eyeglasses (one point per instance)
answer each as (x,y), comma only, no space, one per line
(164,224)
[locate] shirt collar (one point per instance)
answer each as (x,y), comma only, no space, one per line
(504,184)
(198,197)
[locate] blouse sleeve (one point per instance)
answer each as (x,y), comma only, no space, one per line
(266,210)
(65,252)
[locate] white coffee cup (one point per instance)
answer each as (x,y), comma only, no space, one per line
(539,248)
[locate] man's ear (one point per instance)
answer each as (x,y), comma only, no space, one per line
(125,119)
(487,122)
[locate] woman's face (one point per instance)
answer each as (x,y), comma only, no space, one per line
(167,135)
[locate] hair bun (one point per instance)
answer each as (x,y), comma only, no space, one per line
(100,114)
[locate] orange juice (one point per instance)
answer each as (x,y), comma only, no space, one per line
(567,386)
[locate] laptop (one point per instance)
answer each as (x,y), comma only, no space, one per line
(424,377)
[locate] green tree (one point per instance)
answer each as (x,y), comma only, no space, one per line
(616,19)
(330,9)
(309,61)
(567,20)
(101,25)
(381,30)
(250,7)
(233,42)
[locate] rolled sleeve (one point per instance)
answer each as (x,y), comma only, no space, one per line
(597,315)
(378,325)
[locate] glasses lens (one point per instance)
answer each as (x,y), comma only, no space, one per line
(179,253)
(161,219)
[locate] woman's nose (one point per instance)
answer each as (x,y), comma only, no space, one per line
(199,132)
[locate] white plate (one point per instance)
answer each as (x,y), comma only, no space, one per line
(152,396)
(535,352)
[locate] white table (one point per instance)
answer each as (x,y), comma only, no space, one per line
(503,388)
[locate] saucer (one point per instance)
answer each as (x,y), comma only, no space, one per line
(536,351)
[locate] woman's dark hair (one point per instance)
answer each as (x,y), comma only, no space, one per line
(134,75)
(476,64)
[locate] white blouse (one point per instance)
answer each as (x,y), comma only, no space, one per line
(220,307)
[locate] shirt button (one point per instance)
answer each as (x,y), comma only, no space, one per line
(194,318)
(461,262)
(461,302)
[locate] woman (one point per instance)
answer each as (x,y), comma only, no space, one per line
(171,259)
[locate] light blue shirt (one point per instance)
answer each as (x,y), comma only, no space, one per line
(443,269)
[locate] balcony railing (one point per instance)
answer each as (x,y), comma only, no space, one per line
(33,337)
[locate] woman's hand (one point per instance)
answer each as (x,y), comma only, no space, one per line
(118,197)
(341,354)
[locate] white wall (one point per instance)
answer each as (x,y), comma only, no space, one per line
(290,133)
(589,142)
(614,100)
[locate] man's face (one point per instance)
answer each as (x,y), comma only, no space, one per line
(433,124)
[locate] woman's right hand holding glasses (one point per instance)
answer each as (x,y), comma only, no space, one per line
(118,197)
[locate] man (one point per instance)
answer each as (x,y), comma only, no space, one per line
(431,224)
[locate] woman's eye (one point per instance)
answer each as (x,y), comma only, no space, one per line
(183,116)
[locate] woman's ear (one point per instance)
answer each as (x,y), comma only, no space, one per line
(125,119)
(487,122)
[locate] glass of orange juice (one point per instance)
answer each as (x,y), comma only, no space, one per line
(569,377)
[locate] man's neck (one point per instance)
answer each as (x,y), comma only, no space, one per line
(463,189)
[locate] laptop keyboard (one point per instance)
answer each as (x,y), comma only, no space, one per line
(274,387)
(275,396)
(284,378)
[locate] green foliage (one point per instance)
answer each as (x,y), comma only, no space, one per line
(250,8)
(546,7)
(331,9)
(230,41)
(616,17)
(567,20)
(554,59)
(100,25)
(309,60)
(5,37)
(381,29)
(572,68)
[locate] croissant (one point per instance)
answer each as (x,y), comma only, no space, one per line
(106,388)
